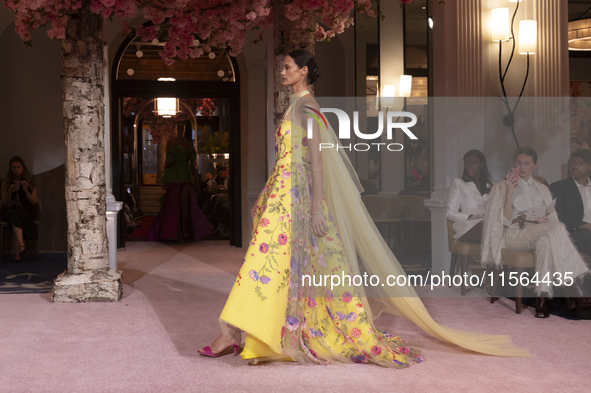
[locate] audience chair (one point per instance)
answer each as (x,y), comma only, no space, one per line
(519,261)
(4,228)
(462,250)
(385,210)
(416,215)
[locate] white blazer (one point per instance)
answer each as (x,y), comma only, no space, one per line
(464,199)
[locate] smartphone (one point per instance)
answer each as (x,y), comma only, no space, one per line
(512,173)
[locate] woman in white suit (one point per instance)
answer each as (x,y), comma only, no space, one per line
(467,197)
(506,226)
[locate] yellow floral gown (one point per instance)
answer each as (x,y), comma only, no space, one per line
(282,318)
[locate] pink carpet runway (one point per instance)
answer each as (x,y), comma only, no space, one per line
(172,298)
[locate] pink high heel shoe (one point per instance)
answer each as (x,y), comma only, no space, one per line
(228,350)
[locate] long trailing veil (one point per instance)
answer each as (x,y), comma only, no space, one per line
(366,251)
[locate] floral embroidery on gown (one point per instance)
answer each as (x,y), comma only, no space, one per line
(282,317)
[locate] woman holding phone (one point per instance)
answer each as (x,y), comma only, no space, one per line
(19,197)
(507,226)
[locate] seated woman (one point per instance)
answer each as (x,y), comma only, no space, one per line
(467,197)
(506,227)
(180,218)
(19,197)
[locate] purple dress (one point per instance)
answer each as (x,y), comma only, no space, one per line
(180,218)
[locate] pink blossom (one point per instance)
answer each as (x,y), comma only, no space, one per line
(320,34)
(222,24)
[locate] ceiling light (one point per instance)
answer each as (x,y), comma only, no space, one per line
(167,106)
(579,34)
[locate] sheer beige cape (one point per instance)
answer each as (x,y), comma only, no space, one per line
(366,248)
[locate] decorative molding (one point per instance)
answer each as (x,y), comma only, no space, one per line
(551,60)
(438,199)
(551,75)
(113,209)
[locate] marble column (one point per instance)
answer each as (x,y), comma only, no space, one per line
(457,122)
(551,80)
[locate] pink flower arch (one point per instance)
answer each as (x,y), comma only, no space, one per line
(189,28)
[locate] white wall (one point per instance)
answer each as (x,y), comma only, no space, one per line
(30,99)
(336,60)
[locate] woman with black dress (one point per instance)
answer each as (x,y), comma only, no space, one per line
(19,197)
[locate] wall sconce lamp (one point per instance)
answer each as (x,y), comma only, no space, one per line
(502,30)
(167,106)
(388,96)
(404,90)
(405,85)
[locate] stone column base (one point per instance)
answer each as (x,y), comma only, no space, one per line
(102,285)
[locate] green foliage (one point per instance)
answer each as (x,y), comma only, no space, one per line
(215,143)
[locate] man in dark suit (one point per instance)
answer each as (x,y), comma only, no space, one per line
(573,199)
(573,205)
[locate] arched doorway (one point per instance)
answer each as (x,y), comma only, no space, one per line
(207,92)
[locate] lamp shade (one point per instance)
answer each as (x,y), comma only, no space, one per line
(499,23)
(405,85)
(388,95)
(167,106)
(528,37)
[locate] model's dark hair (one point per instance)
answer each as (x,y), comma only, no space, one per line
(304,58)
(26,175)
(484,181)
(528,151)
